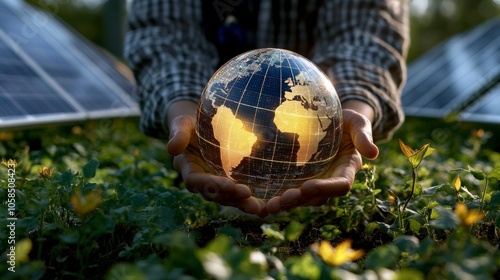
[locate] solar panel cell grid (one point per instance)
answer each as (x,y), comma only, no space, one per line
(49,74)
(451,76)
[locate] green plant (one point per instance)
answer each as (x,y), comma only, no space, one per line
(100,200)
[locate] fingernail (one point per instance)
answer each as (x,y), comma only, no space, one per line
(171,135)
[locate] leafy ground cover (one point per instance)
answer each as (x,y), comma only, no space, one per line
(101,201)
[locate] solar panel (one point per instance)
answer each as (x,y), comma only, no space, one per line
(49,74)
(461,76)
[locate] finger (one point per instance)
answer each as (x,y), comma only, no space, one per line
(263,211)
(193,172)
(316,201)
(273,205)
(288,200)
(326,188)
(291,199)
(359,127)
(251,205)
(182,130)
(217,188)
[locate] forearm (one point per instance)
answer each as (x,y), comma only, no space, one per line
(360,107)
(181,107)
(170,56)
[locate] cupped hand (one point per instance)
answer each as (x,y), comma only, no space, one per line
(183,145)
(339,177)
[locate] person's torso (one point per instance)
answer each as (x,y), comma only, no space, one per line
(241,25)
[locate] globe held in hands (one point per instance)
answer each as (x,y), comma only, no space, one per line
(269,119)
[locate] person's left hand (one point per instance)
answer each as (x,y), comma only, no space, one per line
(339,178)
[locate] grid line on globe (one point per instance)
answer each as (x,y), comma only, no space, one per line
(270,119)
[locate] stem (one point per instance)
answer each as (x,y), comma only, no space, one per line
(373,201)
(413,181)
(40,236)
(484,194)
(400,220)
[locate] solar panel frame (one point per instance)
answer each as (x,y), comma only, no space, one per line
(54,75)
(448,78)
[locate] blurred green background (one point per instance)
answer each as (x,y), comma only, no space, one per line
(432,21)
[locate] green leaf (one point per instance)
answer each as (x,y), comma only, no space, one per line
(446,220)
(434,214)
(406,243)
(185,256)
(272,231)
(165,217)
(66,178)
(68,238)
(330,231)
(495,173)
(429,151)
(100,224)
(88,188)
(417,158)
(125,271)
(139,200)
(386,228)
(234,233)
(89,170)
(304,267)
(384,205)
(370,228)
(293,230)
(478,174)
(494,201)
(418,189)
(408,274)
(432,190)
(414,225)
(220,245)
(382,257)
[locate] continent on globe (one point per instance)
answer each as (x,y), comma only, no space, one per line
(270,119)
(305,115)
(235,142)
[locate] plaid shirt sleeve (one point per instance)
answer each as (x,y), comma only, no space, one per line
(362,46)
(167,50)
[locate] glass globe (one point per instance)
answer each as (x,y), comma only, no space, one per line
(269,119)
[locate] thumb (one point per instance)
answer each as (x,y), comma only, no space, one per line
(360,130)
(182,130)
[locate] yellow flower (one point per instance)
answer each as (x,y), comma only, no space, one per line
(23,248)
(45,172)
(77,130)
(366,167)
(87,204)
(478,133)
(6,136)
(11,163)
(393,199)
(457,183)
(467,217)
(339,255)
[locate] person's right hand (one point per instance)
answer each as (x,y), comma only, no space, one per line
(183,145)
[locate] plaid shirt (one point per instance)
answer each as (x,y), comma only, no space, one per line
(174,47)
